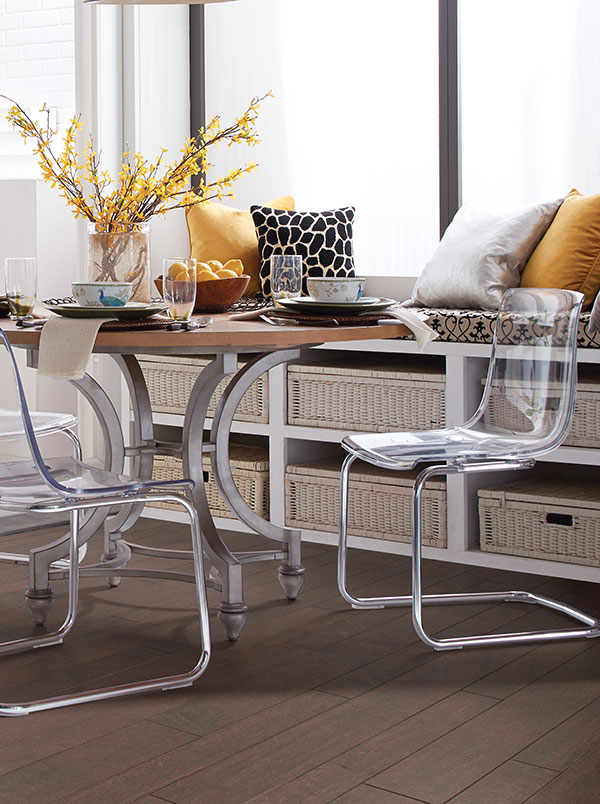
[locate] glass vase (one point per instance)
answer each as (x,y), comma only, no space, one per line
(121,256)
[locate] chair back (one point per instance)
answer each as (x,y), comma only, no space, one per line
(529,393)
(28,429)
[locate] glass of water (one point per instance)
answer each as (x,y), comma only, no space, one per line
(286,276)
(179,287)
(21,286)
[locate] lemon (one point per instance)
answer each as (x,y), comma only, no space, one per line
(176,268)
(225,273)
(214,265)
(234,265)
(183,276)
(205,276)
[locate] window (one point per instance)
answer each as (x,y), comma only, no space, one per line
(530,113)
(354,120)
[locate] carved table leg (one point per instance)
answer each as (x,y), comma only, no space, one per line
(232,609)
(291,571)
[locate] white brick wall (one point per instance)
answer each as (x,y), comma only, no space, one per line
(36,66)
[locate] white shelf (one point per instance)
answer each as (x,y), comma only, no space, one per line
(466,364)
(167,515)
(473,557)
(176,420)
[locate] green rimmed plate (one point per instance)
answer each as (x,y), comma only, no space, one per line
(309,305)
(129,312)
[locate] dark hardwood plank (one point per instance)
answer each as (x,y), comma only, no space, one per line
(568,742)
(47,779)
(365,794)
(292,753)
(315,703)
(578,785)
(481,745)
(511,783)
(389,746)
(224,742)
(319,786)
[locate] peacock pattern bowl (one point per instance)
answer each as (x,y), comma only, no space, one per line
(102,294)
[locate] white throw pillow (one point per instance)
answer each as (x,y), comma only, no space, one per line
(480,256)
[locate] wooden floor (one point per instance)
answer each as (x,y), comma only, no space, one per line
(315,703)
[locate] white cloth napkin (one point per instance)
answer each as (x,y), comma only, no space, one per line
(66,345)
(414,321)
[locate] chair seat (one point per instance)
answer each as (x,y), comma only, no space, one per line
(11,423)
(405,450)
(20,481)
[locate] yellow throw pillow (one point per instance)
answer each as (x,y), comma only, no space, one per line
(568,256)
(218,232)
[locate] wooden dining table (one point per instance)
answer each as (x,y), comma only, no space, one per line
(224,340)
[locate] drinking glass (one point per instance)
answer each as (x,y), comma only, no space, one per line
(179,287)
(21,286)
(286,276)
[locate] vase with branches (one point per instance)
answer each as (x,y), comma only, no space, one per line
(118,210)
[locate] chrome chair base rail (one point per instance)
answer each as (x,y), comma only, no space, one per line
(417,599)
(73,572)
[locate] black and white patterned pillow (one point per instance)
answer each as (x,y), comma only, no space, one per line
(322,239)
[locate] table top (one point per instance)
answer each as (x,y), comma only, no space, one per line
(222,335)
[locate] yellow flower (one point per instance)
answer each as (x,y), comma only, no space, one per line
(143,188)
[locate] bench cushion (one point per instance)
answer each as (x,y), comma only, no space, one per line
(477,326)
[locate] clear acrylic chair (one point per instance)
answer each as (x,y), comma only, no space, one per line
(44,423)
(65,484)
(534,370)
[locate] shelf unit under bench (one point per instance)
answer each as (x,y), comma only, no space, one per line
(465,364)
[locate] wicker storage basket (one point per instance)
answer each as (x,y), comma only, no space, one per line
(542,518)
(371,395)
(380,501)
(585,428)
(250,470)
(171,379)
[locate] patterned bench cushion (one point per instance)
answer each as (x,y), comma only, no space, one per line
(477,326)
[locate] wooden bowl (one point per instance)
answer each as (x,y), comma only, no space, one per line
(215,295)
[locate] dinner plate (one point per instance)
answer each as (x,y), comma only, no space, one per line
(309,305)
(320,303)
(134,310)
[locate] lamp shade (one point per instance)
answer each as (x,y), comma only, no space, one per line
(152,2)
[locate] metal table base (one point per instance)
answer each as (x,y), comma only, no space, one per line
(226,574)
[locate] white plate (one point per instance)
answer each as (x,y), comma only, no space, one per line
(320,303)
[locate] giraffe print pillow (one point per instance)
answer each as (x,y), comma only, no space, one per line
(322,239)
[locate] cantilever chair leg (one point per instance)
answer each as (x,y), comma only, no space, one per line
(417,599)
(163,683)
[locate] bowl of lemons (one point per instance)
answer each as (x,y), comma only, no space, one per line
(218,285)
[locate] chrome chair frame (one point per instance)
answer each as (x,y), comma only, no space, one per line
(73,501)
(591,625)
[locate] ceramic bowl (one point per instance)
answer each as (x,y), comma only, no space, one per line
(215,295)
(335,289)
(102,294)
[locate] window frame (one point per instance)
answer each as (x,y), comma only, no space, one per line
(449,117)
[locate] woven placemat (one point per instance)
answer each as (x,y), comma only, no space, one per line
(153,322)
(316,318)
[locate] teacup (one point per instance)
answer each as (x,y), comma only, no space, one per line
(335,289)
(102,294)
